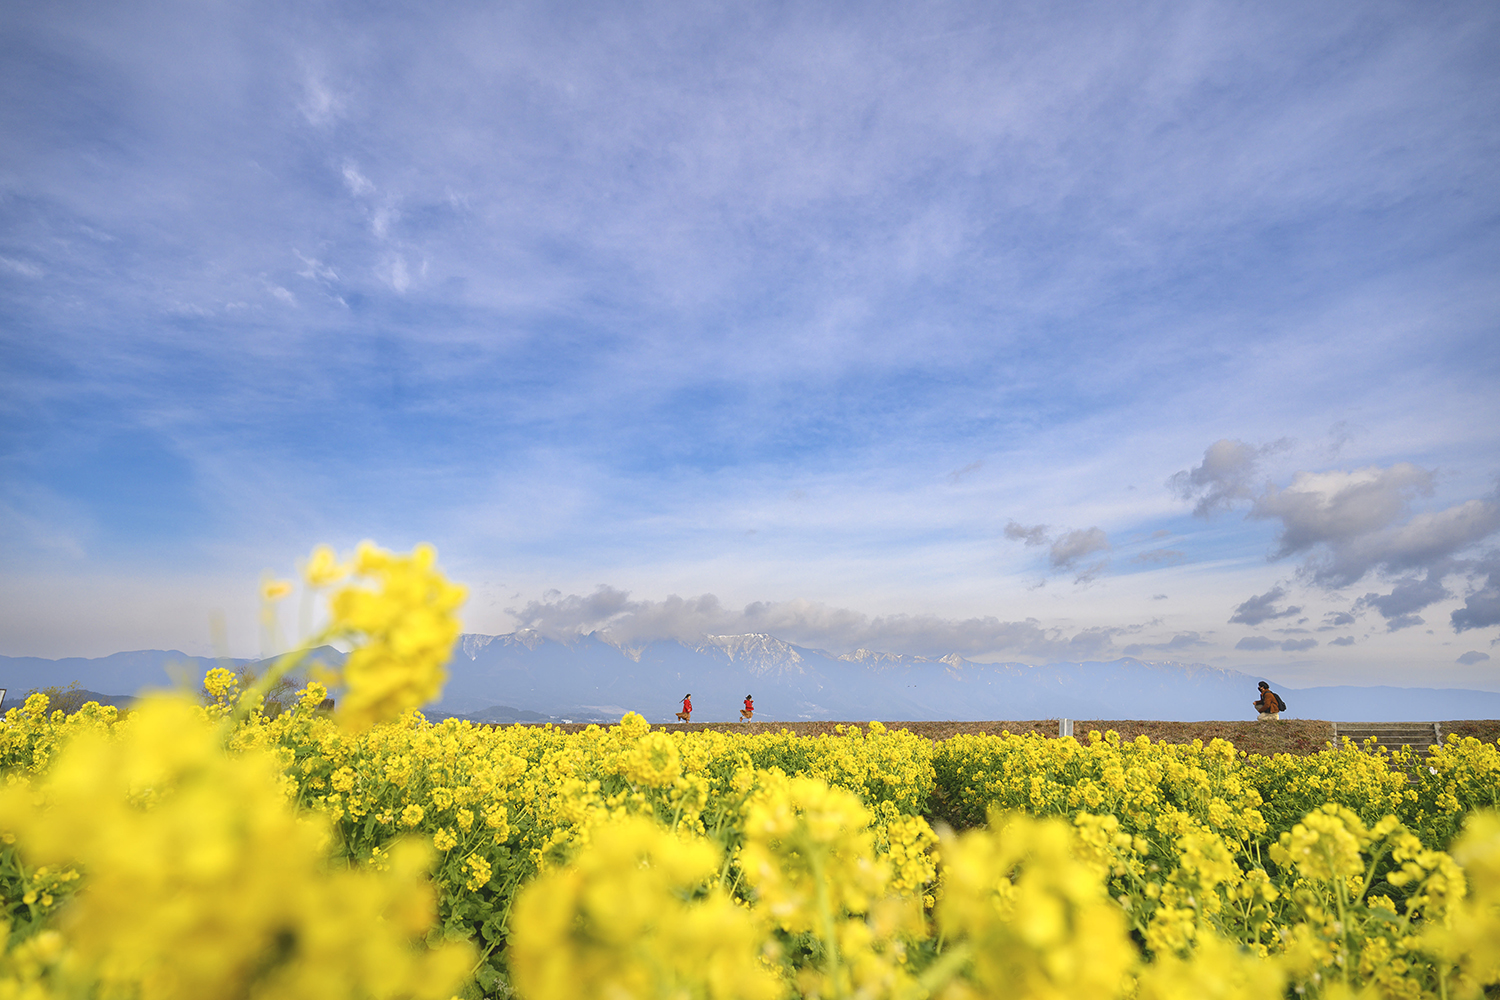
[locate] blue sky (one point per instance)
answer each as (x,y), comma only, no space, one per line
(1034,332)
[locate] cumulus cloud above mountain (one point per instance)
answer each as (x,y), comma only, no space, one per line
(1351,523)
(632,622)
(1346,526)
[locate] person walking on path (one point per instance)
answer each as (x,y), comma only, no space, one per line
(1268,705)
(686,715)
(748,710)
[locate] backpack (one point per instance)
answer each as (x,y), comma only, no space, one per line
(1280,705)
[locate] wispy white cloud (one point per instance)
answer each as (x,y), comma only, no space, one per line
(358,184)
(321,103)
(27,533)
(1183,645)
(25,269)
(396,274)
(1259,643)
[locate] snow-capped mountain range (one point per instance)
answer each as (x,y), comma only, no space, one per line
(593,677)
(524,675)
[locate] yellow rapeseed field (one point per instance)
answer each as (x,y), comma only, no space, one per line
(200,850)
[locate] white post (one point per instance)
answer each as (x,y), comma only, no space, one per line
(1064,728)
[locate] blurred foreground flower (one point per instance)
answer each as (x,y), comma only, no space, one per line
(403,623)
(1028,917)
(403,629)
(634,916)
(275,590)
(202,880)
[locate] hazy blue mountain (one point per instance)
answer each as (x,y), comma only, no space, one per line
(593,678)
(14,697)
(120,674)
(523,677)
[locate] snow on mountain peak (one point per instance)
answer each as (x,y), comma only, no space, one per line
(757,650)
(472,642)
(870,657)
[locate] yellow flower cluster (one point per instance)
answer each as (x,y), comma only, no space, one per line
(1471,940)
(1034,920)
(206,850)
(822,889)
(639,914)
(202,881)
(404,628)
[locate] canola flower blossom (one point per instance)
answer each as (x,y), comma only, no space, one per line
(1030,915)
(200,877)
(509,809)
(403,629)
(215,849)
(202,881)
(638,915)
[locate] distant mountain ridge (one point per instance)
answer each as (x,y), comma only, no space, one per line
(120,676)
(593,677)
(524,676)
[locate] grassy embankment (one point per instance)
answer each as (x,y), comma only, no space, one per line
(1296,736)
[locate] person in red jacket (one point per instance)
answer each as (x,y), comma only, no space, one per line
(748,710)
(686,715)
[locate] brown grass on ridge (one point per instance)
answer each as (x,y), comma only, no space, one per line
(1296,736)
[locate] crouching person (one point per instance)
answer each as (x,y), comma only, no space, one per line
(1269,705)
